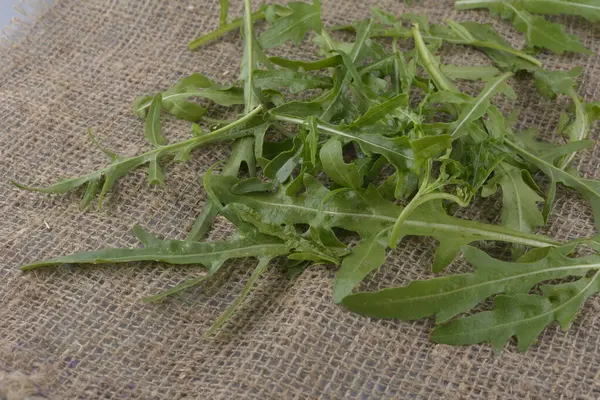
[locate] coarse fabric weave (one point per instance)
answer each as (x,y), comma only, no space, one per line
(83,333)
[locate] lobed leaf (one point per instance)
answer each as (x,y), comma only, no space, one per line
(538,31)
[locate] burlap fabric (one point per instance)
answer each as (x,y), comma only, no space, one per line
(71,333)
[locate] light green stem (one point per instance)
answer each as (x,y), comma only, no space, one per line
(582,134)
(262,264)
(436,75)
(223,30)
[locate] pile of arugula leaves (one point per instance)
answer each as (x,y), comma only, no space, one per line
(333,145)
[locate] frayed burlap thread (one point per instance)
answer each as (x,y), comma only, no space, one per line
(83,333)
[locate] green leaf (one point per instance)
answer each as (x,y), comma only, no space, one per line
(297,244)
(552,83)
(241,153)
(251,185)
(488,40)
(209,254)
(448,296)
(396,150)
(175,99)
(430,63)
(121,166)
(334,166)
(153,126)
(294,26)
(156,175)
(367,213)
(478,107)
(558,175)
(364,258)
(538,31)
(524,316)
(294,81)
(520,210)
(588,9)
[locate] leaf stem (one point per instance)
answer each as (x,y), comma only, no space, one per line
(262,264)
(224,29)
(581,116)
(439,79)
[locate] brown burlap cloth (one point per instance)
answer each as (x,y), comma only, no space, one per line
(71,333)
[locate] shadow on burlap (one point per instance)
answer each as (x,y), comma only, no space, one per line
(84,333)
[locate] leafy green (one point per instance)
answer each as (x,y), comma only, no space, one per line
(333,164)
(175,99)
(538,31)
(519,199)
(516,312)
(294,26)
(449,296)
(105,178)
(325,148)
(588,9)
(294,81)
(211,255)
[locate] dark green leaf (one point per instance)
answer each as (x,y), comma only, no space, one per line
(294,81)
(294,26)
(523,315)
(449,296)
(334,166)
(538,32)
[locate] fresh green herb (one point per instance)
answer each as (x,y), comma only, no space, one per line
(538,31)
(328,148)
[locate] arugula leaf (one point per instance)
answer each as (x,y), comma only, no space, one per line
(558,175)
(446,297)
(588,9)
(367,256)
(498,49)
(241,153)
(524,315)
(552,83)
(294,26)
(294,81)
(478,107)
(368,214)
(175,99)
(519,200)
(430,63)
(482,36)
(121,166)
(212,255)
(333,164)
(538,31)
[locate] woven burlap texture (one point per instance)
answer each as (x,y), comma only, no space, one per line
(71,333)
